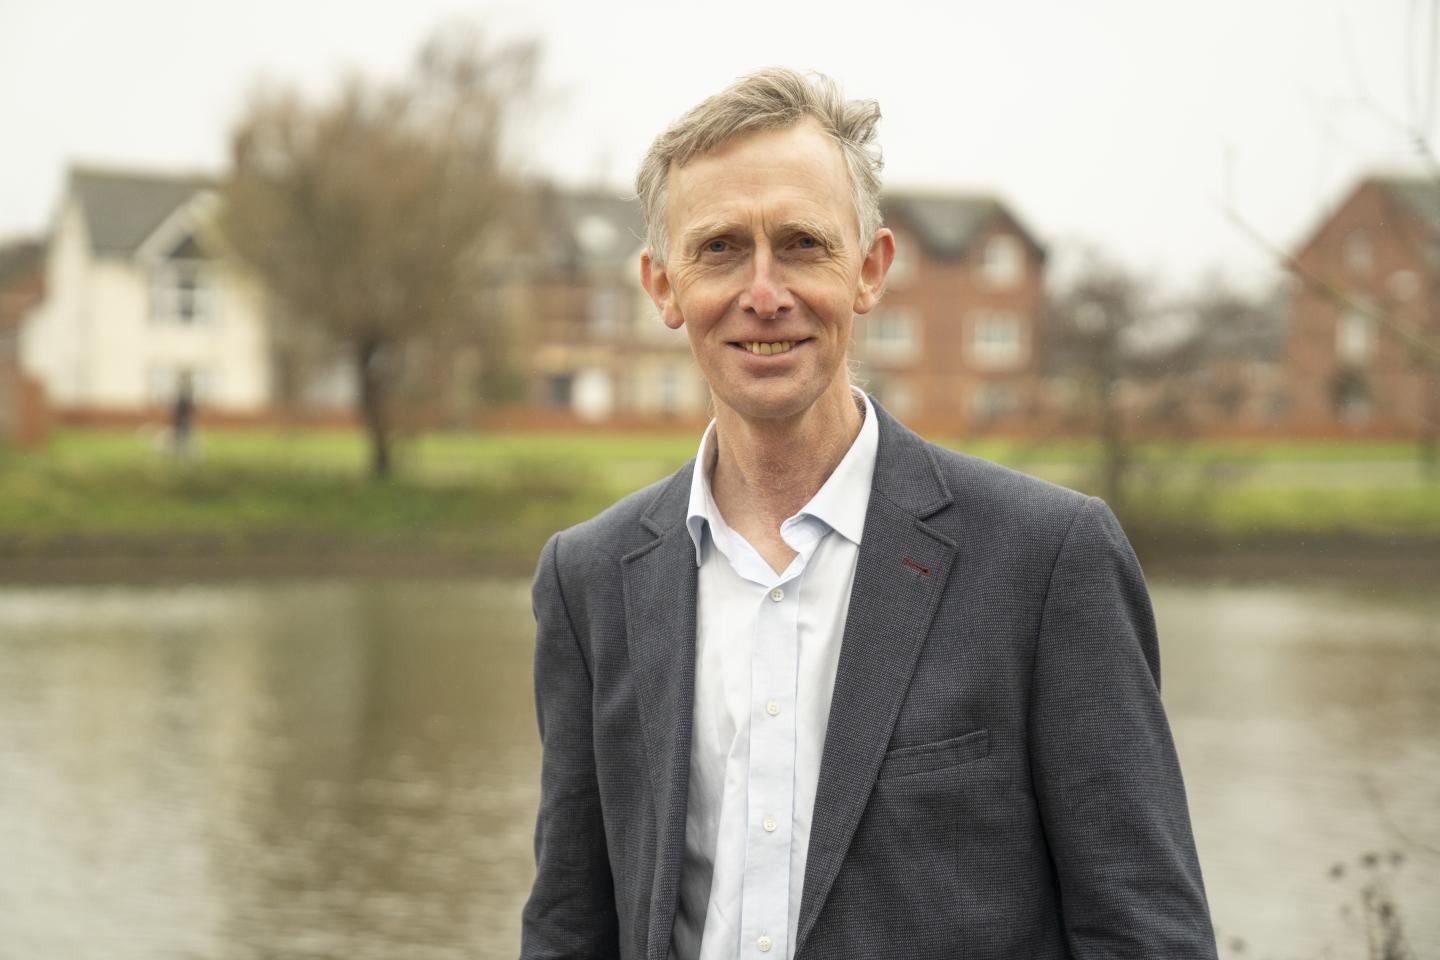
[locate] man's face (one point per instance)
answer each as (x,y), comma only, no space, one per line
(764,269)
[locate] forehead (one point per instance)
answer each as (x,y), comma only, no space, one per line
(798,171)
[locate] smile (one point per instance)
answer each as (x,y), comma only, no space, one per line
(768,349)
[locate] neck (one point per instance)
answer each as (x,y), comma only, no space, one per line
(766,470)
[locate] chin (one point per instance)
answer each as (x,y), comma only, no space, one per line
(769,404)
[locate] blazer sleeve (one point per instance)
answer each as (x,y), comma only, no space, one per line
(1103,762)
(571,910)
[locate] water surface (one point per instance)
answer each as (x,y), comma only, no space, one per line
(335,769)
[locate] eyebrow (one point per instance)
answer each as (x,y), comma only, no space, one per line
(820,231)
(706,229)
(716,228)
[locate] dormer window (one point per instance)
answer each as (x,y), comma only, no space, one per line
(181,290)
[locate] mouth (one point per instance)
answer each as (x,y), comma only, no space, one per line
(767,348)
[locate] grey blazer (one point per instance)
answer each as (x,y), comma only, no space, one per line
(998,780)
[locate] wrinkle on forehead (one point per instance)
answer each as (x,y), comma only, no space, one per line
(764,179)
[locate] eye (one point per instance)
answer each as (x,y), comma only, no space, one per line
(717,246)
(807,242)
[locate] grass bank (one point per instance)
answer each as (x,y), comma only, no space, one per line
(258,499)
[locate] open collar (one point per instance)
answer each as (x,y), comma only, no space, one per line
(840,503)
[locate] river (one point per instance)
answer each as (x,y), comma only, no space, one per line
(348,769)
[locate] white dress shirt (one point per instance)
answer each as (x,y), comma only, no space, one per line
(766,649)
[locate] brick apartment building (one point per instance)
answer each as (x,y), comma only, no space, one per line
(957,343)
(1355,362)
(597,350)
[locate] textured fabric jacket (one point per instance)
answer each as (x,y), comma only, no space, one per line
(998,780)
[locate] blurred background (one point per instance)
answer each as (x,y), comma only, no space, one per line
(317,319)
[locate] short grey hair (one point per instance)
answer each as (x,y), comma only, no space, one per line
(776,98)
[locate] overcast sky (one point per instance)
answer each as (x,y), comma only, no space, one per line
(1119,124)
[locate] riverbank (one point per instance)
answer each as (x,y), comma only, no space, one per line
(120,561)
(96,506)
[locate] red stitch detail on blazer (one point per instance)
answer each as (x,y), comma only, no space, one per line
(924,571)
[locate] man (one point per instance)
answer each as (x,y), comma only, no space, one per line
(829,690)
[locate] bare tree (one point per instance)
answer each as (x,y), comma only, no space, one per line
(1142,368)
(1093,323)
(368,216)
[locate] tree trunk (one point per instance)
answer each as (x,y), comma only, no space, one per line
(369,360)
(1429,441)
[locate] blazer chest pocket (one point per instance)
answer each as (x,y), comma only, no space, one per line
(928,757)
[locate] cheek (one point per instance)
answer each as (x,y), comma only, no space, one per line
(703,309)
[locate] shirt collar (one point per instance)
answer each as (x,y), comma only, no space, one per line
(840,503)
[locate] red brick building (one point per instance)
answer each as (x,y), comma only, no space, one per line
(1364,349)
(957,344)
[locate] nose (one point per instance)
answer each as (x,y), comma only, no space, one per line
(766,294)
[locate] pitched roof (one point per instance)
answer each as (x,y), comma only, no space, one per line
(594,228)
(948,223)
(1420,195)
(122,209)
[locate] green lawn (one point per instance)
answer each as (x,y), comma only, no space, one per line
(500,494)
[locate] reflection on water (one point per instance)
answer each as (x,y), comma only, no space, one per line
(348,770)
(325,770)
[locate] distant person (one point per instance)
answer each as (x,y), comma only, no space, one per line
(182,418)
(829,690)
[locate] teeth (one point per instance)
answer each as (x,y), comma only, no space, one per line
(767,349)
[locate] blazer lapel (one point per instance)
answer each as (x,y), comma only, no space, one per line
(660,583)
(900,573)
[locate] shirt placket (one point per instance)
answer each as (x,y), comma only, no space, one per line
(765,904)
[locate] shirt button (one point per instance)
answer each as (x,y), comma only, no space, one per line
(773,708)
(764,943)
(769,824)
(777,594)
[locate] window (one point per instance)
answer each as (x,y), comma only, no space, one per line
(995,400)
(669,390)
(558,389)
(182,293)
(1354,337)
(995,339)
(1002,261)
(1351,393)
(592,394)
(891,333)
(899,399)
(1358,252)
(605,310)
(1403,285)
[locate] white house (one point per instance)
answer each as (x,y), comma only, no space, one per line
(137,297)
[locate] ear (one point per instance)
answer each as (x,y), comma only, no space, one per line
(656,281)
(873,270)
